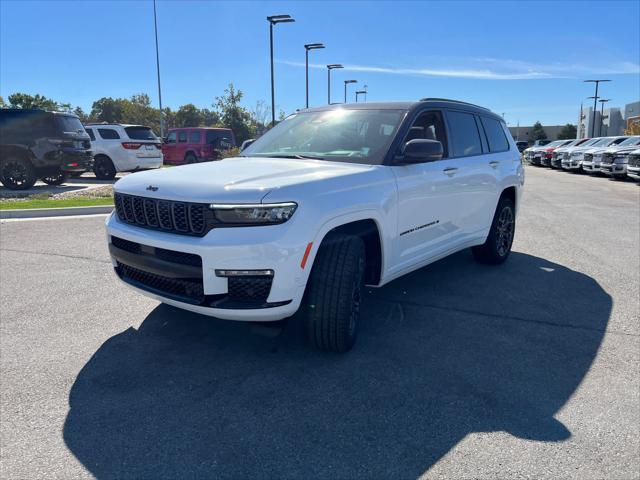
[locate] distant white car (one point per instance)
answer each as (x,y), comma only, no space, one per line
(123,148)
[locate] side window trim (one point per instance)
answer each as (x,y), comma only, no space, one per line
(484,139)
(446,111)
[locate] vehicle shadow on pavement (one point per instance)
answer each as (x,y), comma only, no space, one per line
(452,349)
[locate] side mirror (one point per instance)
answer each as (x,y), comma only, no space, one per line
(246,143)
(421,151)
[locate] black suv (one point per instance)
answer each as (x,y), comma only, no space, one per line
(38,144)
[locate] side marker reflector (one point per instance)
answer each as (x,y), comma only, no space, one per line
(306,255)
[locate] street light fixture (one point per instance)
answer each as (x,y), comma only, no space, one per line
(595,104)
(345,88)
(602,102)
(361,92)
(329,68)
(307,47)
(274,19)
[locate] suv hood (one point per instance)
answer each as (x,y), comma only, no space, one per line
(242,180)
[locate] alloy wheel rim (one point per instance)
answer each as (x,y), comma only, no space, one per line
(505,229)
(15,173)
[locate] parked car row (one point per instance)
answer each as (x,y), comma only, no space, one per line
(613,156)
(51,146)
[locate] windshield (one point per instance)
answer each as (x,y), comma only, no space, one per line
(358,136)
(70,124)
(630,141)
(140,133)
(602,141)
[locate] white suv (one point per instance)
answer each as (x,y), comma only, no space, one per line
(123,148)
(330,199)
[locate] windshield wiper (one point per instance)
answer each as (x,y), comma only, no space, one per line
(294,155)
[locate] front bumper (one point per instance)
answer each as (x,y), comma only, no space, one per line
(614,169)
(242,248)
(633,172)
(590,167)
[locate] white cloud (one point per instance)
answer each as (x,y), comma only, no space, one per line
(493,69)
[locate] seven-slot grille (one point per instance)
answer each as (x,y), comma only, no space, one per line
(176,217)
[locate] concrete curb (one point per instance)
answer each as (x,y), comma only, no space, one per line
(54,212)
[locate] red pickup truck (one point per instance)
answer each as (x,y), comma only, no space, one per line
(196,144)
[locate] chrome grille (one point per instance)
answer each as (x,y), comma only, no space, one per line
(634,160)
(175,217)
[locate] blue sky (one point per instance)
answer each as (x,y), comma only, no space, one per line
(526,59)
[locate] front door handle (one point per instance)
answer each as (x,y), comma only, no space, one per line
(494,163)
(450,171)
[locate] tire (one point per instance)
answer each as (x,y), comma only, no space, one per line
(17,173)
(497,247)
(57,179)
(619,177)
(334,293)
(103,168)
(190,158)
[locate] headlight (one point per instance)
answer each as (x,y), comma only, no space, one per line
(254,214)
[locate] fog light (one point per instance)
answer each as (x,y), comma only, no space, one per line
(244,273)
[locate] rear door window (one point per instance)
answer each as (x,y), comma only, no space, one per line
(140,133)
(108,134)
(465,137)
(495,135)
(194,136)
(91,135)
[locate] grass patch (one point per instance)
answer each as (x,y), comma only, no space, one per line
(55,203)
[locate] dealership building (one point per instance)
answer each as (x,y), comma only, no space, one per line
(614,121)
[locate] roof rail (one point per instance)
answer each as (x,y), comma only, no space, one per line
(453,101)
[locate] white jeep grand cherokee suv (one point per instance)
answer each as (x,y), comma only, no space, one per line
(123,148)
(330,199)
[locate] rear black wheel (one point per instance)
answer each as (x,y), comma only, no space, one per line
(498,245)
(190,158)
(17,173)
(334,293)
(56,179)
(103,168)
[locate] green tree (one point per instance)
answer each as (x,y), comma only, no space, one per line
(537,132)
(568,132)
(2,104)
(233,115)
(24,100)
(107,109)
(189,116)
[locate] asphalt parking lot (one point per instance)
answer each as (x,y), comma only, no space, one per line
(529,369)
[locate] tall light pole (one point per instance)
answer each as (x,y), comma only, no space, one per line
(155,27)
(346,82)
(365,92)
(307,47)
(274,19)
(595,103)
(602,102)
(360,92)
(329,68)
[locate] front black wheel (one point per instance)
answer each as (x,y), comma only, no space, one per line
(497,247)
(334,293)
(56,179)
(103,168)
(17,173)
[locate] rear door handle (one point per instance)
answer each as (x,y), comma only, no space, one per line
(450,171)
(494,163)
